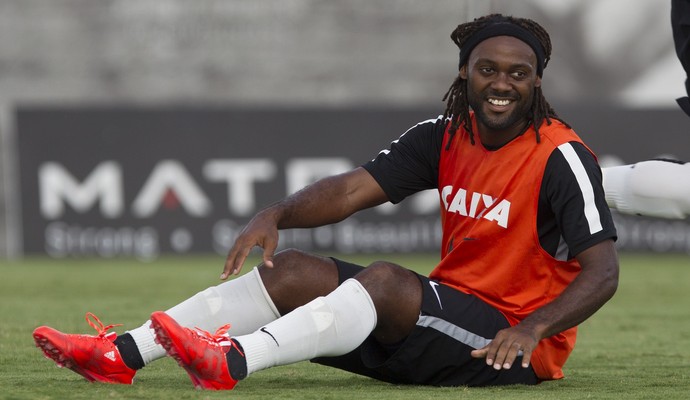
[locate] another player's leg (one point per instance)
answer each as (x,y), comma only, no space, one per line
(654,188)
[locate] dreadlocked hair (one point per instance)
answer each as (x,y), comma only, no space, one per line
(457,106)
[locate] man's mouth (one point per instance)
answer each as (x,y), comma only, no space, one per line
(499,102)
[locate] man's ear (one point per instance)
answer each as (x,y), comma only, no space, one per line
(537,82)
(463,72)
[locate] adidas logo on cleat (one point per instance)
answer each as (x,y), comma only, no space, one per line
(110,355)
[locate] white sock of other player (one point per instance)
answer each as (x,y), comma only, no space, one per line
(242,302)
(654,188)
(327,326)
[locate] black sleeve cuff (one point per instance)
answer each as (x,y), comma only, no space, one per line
(684,103)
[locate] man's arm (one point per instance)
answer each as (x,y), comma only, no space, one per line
(594,286)
(325,202)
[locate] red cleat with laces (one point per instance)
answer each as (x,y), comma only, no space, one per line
(200,353)
(96,358)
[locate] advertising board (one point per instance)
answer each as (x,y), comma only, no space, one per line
(141,182)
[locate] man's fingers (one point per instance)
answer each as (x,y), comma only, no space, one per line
(511,354)
(479,353)
(269,250)
(501,355)
(224,275)
(526,357)
(501,358)
(234,262)
(227,268)
(487,352)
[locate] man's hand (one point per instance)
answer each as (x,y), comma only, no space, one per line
(326,201)
(595,284)
(507,346)
(261,231)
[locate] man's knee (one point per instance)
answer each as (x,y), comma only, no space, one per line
(386,275)
(287,258)
(387,281)
(397,296)
(298,277)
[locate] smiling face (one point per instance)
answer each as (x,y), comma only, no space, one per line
(501,77)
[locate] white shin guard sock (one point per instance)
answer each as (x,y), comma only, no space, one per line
(243,302)
(652,188)
(327,326)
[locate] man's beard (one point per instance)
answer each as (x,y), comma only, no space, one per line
(503,121)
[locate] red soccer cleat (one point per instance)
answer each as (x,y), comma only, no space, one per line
(200,353)
(96,358)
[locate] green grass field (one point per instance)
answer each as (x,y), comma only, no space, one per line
(636,347)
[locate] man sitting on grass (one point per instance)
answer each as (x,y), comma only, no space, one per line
(527,253)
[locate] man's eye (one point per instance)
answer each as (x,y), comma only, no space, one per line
(519,75)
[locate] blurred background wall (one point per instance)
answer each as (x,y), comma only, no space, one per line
(307,53)
(315,51)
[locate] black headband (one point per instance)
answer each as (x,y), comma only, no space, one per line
(504,29)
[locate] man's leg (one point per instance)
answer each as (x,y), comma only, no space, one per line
(437,352)
(383,299)
(296,279)
(329,325)
(243,302)
(319,315)
(397,294)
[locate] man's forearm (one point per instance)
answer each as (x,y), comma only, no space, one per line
(592,288)
(327,201)
(315,205)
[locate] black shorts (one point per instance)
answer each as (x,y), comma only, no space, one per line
(437,352)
